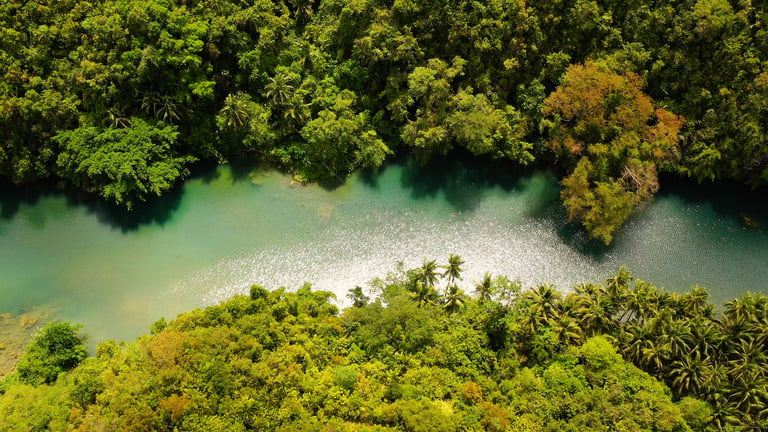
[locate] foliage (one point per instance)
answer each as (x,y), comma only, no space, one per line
(544,361)
(604,121)
(124,165)
(56,348)
(323,88)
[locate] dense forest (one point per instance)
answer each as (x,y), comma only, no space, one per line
(120,97)
(413,352)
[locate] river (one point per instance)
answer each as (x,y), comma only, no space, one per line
(220,232)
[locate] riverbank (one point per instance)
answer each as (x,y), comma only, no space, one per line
(116,272)
(16,331)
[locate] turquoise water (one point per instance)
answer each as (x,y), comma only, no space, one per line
(116,273)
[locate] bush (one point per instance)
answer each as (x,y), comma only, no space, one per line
(56,348)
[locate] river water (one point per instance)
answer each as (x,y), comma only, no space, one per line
(220,232)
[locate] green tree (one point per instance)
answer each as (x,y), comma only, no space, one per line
(358,297)
(484,289)
(279,89)
(235,112)
(453,299)
(453,268)
(423,294)
(426,274)
(123,165)
(57,347)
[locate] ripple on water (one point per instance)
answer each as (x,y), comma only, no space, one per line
(343,256)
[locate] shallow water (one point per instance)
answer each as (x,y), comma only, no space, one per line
(219,233)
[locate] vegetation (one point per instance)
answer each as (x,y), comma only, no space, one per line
(399,360)
(56,348)
(119,96)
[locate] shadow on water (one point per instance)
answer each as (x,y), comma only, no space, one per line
(728,200)
(463,179)
(12,197)
(154,211)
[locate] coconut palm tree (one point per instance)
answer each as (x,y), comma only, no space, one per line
(484,289)
(634,339)
(641,303)
(302,9)
(688,374)
(235,111)
(567,330)
(678,338)
(279,88)
(545,302)
(706,337)
(453,269)
(423,294)
(596,314)
(696,302)
(297,111)
(116,118)
(453,299)
(427,273)
(724,413)
(714,376)
(161,107)
(617,285)
(748,392)
(655,357)
(748,356)
(734,328)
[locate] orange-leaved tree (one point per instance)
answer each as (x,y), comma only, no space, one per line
(613,140)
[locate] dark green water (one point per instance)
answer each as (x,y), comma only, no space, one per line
(117,273)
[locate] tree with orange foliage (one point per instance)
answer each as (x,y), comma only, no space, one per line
(613,139)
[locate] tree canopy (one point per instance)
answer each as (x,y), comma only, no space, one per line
(620,354)
(323,88)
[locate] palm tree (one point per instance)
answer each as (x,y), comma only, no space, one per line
(484,289)
(654,357)
(546,300)
(734,328)
(279,88)
(617,285)
(748,356)
(566,330)
(748,392)
(597,314)
(302,9)
(454,299)
(634,339)
(641,303)
(427,273)
(723,412)
(453,269)
(688,374)
(714,377)
(706,337)
(423,294)
(696,302)
(162,107)
(297,111)
(235,111)
(678,338)
(116,118)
